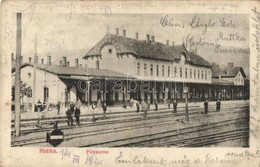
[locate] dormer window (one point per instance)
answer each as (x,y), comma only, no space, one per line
(183,58)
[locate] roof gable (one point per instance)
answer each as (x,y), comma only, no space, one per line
(145,49)
(227,71)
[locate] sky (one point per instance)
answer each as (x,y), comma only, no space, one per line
(71,35)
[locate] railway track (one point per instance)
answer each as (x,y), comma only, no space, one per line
(171,138)
(111,119)
(140,124)
(118,119)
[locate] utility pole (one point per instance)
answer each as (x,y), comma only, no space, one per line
(18,74)
(34,73)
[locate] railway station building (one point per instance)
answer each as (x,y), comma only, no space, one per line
(119,68)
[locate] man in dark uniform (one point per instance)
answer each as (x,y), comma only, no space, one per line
(156,105)
(137,106)
(104,109)
(174,106)
(71,113)
(218,106)
(77,115)
(39,106)
(206,104)
(58,108)
(68,116)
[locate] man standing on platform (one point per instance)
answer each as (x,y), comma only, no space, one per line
(156,105)
(206,104)
(174,106)
(137,106)
(77,115)
(218,105)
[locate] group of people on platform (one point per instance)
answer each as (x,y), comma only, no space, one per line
(142,106)
(69,113)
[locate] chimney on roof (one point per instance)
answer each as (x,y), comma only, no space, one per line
(152,38)
(147,37)
(173,43)
(30,60)
(167,42)
(48,60)
(230,65)
(68,63)
(124,32)
(64,63)
(60,62)
(117,31)
(136,35)
(13,57)
(76,62)
(42,60)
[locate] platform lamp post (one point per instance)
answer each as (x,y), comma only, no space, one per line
(186,91)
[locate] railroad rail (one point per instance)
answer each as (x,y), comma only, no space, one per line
(151,120)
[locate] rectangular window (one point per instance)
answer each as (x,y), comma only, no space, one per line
(169,71)
(175,71)
(157,70)
(46,94)
(194,73)
(138,68)
(206,75)
(198,74)
(180,72)
(151,69)
(186,73)
(162,70)
(97,64)
(190,73)
(202,74)
(145,70)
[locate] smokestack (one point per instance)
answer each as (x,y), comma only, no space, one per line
(173,43)
(152,38)
(30,60)
(64,63)
(76,62)
(147,37)
(60,62)
(68,63)
(48,60)
(117,31)
(167,42)
(124,32)
(136,35)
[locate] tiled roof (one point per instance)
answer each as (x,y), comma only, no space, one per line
(77,71)
(144,49)
(227,71)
